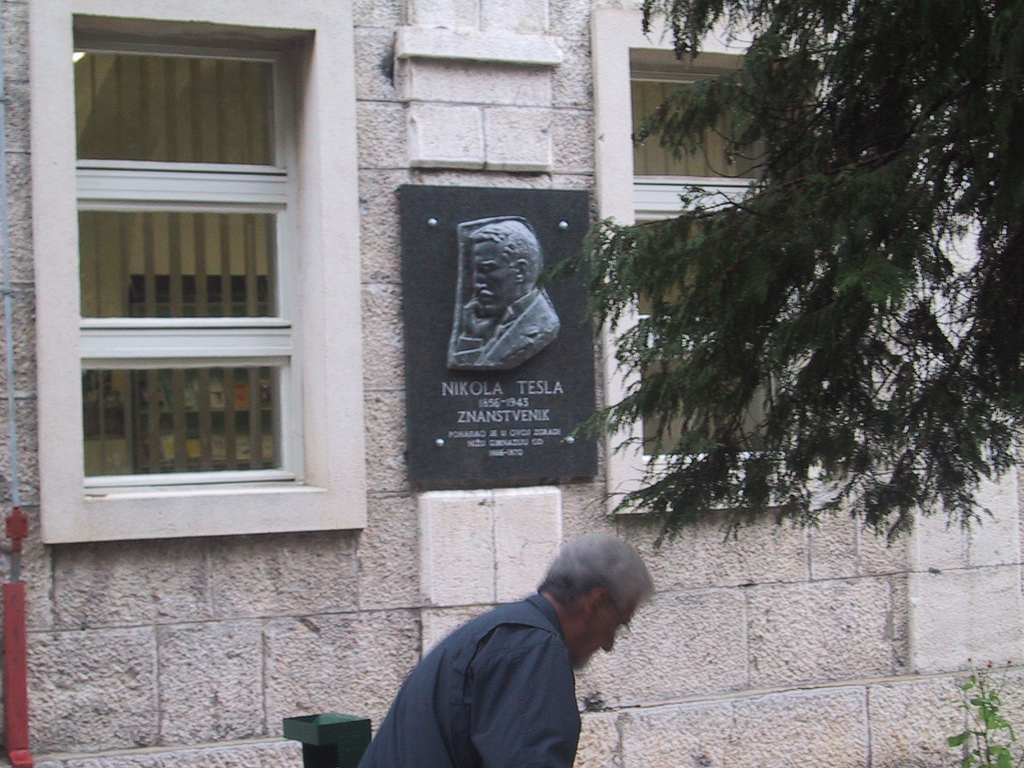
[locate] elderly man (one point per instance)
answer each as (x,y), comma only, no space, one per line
(500,691)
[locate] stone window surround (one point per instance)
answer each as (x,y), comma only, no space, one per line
(459,120)
(331,494)
(473,45)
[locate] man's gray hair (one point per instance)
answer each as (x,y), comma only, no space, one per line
(599,560)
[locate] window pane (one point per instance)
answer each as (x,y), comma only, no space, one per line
(173,109)
(171,264)
(749,436)
(180,420)
(651,159)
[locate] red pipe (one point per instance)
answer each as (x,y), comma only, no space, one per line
(15,649)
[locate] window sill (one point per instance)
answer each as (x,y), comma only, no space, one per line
(418,42)
(190,511)
(140,491)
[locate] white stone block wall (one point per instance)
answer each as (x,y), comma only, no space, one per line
(486,547)
(782,647)
(965,589)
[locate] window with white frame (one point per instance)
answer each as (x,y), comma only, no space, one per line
(634,68)
(660,176)
(195,219)
(186,263)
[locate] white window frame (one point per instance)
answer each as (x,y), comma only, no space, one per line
(628,199)
(151,343)
(321,485)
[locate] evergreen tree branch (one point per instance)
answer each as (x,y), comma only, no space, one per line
(840,292)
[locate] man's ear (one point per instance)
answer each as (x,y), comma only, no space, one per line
(520,266)
(592,601)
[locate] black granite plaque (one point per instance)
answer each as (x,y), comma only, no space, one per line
(499,370)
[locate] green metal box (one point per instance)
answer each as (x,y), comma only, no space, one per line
(330,739)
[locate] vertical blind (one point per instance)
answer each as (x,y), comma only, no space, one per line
(179,420)
(173,109)
(177,264)
(651,159)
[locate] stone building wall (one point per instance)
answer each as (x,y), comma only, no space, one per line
(822,647)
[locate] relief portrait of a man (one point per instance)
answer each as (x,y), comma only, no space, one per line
(501,317)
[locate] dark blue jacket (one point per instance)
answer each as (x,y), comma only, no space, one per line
(498,692)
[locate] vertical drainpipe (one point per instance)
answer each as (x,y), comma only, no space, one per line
(15,659)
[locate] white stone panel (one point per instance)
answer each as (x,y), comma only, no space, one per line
(211,682)
(700,556)
(813,728)
(445,13)
(374,13)
(267,576)
(911,721)
(899,593)
(130,583)
(832,546)
(379,240)
(877,555)
(521,16)
(599,741)
(481,547)
(568,17)
(381,135)
(527,534)
(476,83)
(936,544)
(1010,685)
(375,63)
(251,754)
(437,623)
(518,139)
(350,663)
(816,728)
(571,83)
(996,540)
(384,334)
(818,632)
(962,618)
(685,644)
(456,547)
(446,136)
(384,412)
(966,606)
(389,563)
(676,736)
(93,690)
(572,134)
